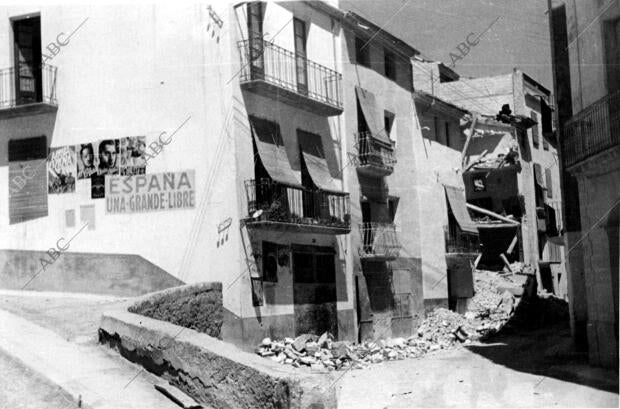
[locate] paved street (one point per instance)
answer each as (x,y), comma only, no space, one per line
(56,336)
(24,389)
(513,372)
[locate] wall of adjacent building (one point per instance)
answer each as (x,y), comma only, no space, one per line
(130,70)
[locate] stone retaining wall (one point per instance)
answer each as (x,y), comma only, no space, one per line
(212,371)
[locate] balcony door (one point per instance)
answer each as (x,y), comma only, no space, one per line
(301,60)
(27,52)
(256,48)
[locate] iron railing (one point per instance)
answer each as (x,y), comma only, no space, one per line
(592,130)
(458,241)
(275,202)
(34,86)
(263,60)
(371,152)
(379,240)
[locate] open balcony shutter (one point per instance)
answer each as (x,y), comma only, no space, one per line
(272,153)
(314,158)
(374,117)
(456,199)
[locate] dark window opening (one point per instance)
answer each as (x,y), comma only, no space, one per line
(27,51)
(392,206)
(255,37)
(301,63)
(535,137)
(612,54)
(390,65)
(388,122)
(314,265)
(362,52)
(362,125)
(270,262)
(447,129)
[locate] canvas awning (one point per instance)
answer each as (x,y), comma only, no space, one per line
(456,199)
(314,158)
(271,151)
(538,175)
(372,115)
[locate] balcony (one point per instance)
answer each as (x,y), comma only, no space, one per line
(379,241)
(593,130)
(32,92)
(458,241)
(270,70)
(374,158)
(275,206)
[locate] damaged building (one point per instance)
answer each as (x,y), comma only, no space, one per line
(321,177)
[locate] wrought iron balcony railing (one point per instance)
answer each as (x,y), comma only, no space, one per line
(31,86)
(374,157)
(379,241)
(273,204)
(305,83)
(592,130)
(458,241)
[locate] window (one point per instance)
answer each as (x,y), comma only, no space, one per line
(392,206)
(436,128)
(390,65)
(545,143)
(362,52)
(27,43)
(301,64)
(87,215)
(548,183)
(388,121)
(270,262)
(612,54)
(255,37)
(535,140)
(447,129)
(70,218)
(27,179)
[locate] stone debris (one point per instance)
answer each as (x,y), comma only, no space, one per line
(491,307)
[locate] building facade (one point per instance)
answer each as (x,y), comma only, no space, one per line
(586,57)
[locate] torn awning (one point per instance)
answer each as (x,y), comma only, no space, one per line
(374,118)
(314,158)
(456,198)
(272,153)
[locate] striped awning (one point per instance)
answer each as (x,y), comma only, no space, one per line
(272,153)
(458,205)
(314,158)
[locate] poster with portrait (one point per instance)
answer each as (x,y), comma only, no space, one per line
(107,156)
(61,170)
(132,159)
(86,160)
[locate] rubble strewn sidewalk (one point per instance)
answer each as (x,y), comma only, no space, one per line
(494,304)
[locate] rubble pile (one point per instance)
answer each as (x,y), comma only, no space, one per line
(325,353)
(494,303)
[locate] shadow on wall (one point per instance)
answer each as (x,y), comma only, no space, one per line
(111,274)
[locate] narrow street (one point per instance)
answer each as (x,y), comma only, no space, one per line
(511,372)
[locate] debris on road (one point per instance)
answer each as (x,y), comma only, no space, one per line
(495,302)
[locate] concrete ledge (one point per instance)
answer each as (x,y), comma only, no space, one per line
(212,371)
